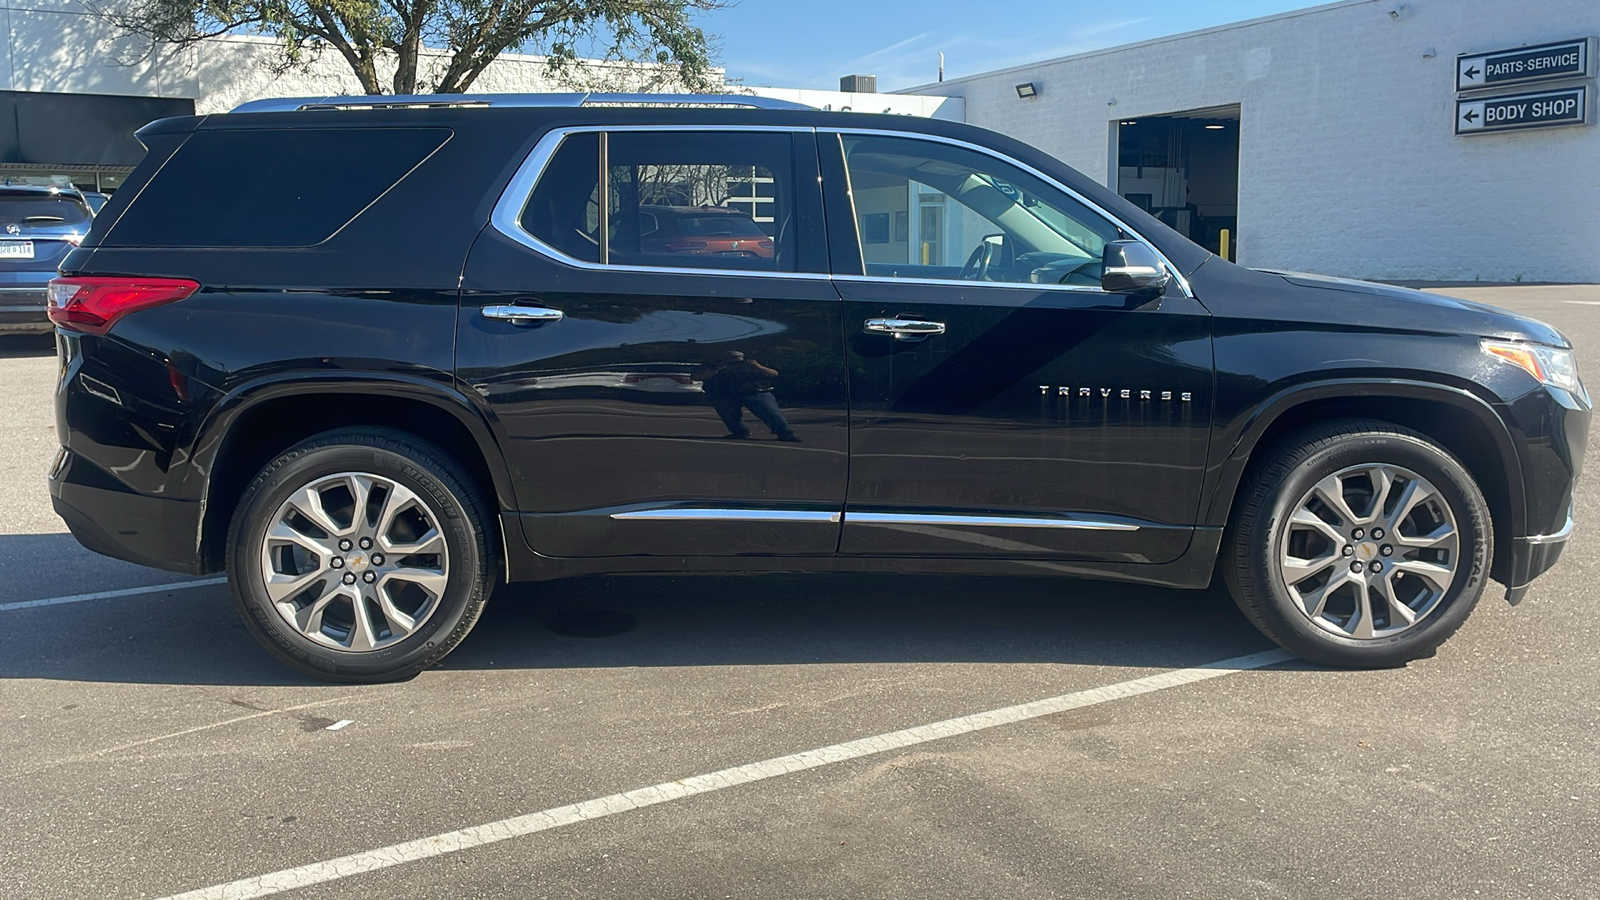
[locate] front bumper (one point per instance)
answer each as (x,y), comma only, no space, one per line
(1532,557)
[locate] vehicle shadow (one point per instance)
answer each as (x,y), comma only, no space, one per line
(193,635)
(25,346)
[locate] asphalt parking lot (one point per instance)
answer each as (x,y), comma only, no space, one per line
(151,749)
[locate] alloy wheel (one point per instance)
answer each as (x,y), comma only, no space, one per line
(1369,552)
(355,561)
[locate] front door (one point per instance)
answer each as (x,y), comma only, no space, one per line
(654,332)
(1002,404)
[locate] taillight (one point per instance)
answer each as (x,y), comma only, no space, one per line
(94,304)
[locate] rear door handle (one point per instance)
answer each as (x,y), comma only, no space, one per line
(523,315)
(904,329)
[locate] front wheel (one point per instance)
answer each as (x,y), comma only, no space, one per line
(360,555)
(1360,544)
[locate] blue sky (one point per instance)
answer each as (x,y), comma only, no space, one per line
(810,43)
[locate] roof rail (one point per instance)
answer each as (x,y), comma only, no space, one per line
(413,101)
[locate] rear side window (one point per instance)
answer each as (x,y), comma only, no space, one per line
(34,210)
(288,188)
(564,211)
(697,200)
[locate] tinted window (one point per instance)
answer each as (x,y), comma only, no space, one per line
(288,188)
(931,210)
(564,211)
(41,210)
(674,199)
(701,200)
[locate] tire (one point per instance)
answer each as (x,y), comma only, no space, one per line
(1275,559)
(297,583)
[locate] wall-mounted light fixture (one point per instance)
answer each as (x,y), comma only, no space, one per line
(1215,127)
(1027,90)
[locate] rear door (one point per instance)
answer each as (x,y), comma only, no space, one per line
(1001,403)
(650,321)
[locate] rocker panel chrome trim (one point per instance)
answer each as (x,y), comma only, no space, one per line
(1084,524)
(727,515)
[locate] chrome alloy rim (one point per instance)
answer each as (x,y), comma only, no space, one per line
(1369,551)
(355,561)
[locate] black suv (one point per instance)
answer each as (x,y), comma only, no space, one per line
(423,347)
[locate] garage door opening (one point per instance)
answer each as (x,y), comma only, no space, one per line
(1183,169)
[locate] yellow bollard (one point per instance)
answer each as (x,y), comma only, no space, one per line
(1222,247)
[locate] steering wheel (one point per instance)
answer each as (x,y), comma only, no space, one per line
(977,267)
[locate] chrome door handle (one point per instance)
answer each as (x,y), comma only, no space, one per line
(523,315)
(904,329)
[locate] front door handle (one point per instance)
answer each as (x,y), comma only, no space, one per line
(523,315)
(904,329)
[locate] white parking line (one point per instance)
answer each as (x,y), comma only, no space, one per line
(107,595)
(532,823)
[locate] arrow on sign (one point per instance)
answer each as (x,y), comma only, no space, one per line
(1471,73)
(1471,115)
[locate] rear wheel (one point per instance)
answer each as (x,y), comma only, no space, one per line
(360,555)
(1360,544)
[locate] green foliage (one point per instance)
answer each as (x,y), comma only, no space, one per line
(375,35)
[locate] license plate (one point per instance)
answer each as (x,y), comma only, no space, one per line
(16,249)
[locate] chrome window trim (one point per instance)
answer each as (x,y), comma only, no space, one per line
(507,215)
(727,515)
(1558,537)
(1079,523)
(956,282)
(995,154)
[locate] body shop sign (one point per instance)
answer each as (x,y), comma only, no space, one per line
(1513,112)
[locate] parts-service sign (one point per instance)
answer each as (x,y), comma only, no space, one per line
(1513,112)
(1525,65)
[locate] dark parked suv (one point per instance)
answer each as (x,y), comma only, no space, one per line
(407,358)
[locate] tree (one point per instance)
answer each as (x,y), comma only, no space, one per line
(437,46)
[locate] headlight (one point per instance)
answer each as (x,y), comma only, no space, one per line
(1551,365)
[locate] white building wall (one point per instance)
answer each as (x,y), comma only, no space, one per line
(58,46)
(930,107)
(1348,160)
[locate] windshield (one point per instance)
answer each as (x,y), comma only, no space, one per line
(1076,233)
(42,210)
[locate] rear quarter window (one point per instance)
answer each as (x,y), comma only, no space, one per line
(290,188)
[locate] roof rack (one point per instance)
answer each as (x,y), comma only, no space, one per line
(424,101)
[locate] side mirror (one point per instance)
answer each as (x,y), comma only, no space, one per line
(1130,267)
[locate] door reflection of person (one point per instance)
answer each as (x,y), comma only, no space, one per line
(734,384)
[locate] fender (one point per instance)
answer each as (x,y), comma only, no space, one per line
(213,433)
(1255,421)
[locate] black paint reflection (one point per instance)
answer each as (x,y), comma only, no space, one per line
(734,384)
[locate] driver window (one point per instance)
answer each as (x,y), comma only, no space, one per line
(930,210)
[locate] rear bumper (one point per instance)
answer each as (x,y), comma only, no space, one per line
(22,310)
(151,531)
